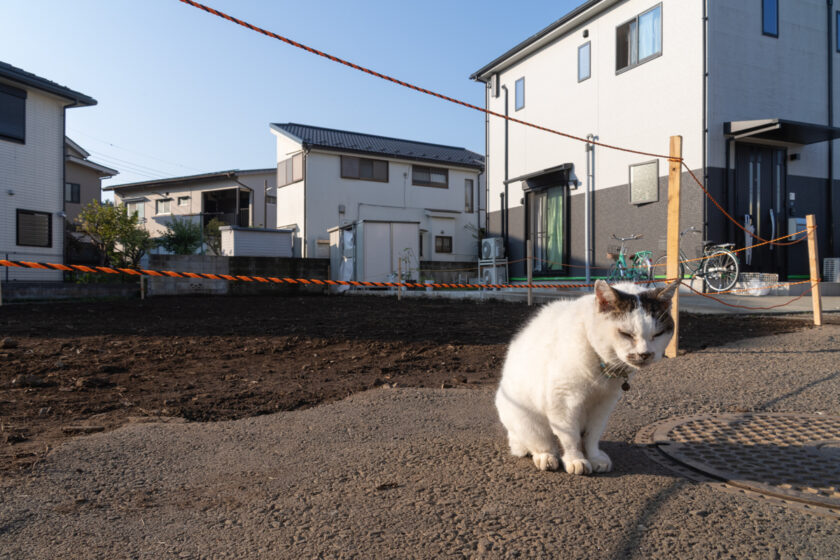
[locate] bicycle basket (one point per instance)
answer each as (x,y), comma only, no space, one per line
(613,252)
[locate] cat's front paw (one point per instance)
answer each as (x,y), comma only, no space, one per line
(600,462)
(577,466)
(546,461)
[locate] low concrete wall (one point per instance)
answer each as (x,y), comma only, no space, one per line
(35,291)
(280,267)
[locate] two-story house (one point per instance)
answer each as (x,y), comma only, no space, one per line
(397,199)
(32,170)
(241,198)
(750,85)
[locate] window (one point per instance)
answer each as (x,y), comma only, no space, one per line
(443,244)
(162,206)
(183,201)
(364,168)
(469,196)
(71,192)
(137,207)
(520,93)
(584,57)
(421,245)
(12,114)
(34,229)
(290,170)
(770,17)
(639,39)
(837,31)
(429,176)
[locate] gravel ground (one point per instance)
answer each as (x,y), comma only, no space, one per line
(423,473)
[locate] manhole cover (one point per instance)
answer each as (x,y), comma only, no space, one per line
(794,457)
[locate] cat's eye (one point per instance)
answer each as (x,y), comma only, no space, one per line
(626,335)
(660,333)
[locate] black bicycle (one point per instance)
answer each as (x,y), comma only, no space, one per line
(717,265)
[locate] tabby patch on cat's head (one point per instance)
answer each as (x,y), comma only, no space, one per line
(617,303)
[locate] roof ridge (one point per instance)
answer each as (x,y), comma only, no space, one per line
(375,136)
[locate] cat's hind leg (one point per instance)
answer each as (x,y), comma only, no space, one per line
(528,433)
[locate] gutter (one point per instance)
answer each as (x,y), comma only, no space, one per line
(505,205)
(832,229)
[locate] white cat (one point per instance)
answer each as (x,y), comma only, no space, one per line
(565,371)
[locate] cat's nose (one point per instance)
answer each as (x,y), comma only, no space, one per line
(645,356)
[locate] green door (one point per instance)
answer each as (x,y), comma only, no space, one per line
(547,229)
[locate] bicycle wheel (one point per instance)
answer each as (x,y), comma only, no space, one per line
(720,271)
(614,274)
(660,272)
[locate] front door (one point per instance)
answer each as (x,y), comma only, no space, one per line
(760,204)
(546,229)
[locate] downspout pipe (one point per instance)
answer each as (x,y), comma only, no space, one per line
(587,209)
(829,4)
(505,209)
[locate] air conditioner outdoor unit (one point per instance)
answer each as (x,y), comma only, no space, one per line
(493,274)
(492,248)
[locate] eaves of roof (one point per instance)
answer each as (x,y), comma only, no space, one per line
(14,74)
(541,38)
(230,173)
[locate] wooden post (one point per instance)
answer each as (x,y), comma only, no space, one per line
(814,260)
(530,253)
(142,288)
(673,247)
(399,279)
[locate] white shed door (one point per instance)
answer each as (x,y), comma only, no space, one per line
(377,251)
(406,244)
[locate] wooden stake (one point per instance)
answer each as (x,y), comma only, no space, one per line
(814,260)
(530,250)
(673,247)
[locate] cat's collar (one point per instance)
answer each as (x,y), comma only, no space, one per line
(612,373)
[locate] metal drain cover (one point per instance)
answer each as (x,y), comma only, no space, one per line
(794,457)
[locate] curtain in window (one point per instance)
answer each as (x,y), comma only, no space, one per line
(554,229)
(650,36)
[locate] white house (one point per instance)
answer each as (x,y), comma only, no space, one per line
(32,170)
(750,85)
(392,200)
(239,198)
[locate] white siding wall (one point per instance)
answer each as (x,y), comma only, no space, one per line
(759,77)
(639,108)
(34,172)
(255,243)
(396,200)
(290,198)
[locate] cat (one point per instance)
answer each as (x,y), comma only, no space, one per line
(565,371)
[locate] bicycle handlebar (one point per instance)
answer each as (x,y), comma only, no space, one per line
(632,238)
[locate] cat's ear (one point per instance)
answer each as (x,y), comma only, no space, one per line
(606,296)
(666,293)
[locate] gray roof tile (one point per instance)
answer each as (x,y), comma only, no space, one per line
(342,140)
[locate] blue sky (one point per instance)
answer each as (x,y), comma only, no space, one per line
(183,92)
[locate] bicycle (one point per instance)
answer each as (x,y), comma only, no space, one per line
(719,267)
(640,268)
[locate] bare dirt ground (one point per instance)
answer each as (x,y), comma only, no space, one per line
(75,368)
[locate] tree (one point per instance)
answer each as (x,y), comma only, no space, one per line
(134,244)
(182,236)
(108,228)
(213,237)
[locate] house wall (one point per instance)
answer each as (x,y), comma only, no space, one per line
(753,76)
(439,211)
(89,188)
(34,171)
(290,198)
(639,108)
